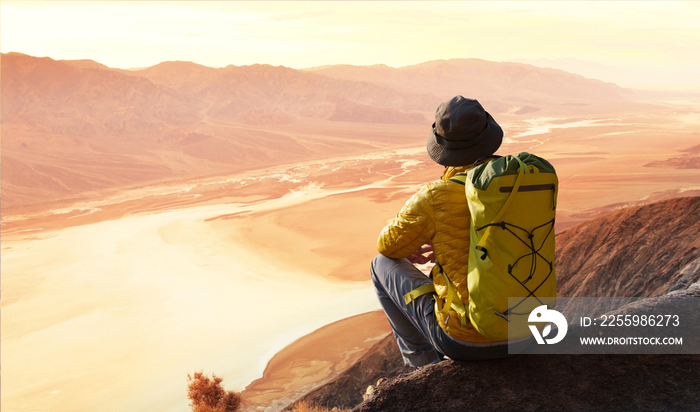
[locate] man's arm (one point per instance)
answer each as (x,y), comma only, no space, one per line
(412,228)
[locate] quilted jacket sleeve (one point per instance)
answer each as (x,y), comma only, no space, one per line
(411,228)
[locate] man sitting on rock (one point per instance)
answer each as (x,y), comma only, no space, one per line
(436,220)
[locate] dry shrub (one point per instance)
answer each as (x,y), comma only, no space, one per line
(207,394)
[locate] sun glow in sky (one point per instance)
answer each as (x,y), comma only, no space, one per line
(643,43)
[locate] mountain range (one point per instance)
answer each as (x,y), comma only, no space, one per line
(501,86)
(74,127)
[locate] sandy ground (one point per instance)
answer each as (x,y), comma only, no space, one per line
(108,303)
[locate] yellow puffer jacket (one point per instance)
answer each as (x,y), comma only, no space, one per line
(438,211)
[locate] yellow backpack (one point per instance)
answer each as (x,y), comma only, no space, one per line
(512,201)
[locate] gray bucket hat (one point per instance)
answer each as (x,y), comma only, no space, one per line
(463,133)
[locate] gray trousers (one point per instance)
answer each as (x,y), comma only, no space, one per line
(416,330)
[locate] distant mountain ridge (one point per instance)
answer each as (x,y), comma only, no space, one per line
(74,126)
(232,89)
(78,98)
(499,84)
(229,90)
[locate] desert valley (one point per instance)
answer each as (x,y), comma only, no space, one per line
(179,217)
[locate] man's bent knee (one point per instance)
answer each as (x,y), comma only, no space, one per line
(382,265)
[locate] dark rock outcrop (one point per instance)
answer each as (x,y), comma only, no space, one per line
(546,383)
(550,382)
(638,251)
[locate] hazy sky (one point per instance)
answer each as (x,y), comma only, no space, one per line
(640,42)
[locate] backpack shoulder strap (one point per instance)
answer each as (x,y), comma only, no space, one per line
(460,178)
(522,170)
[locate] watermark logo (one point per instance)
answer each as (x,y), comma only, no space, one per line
(542,314)
(603,325)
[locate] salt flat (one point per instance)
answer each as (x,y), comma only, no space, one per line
(129,307)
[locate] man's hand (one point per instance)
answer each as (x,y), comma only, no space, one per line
(418,256)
